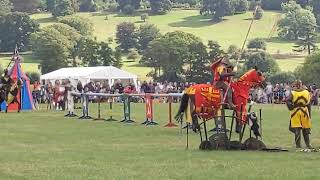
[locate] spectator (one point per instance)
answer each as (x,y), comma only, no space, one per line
(269,92)
(79,87)
(119,87)
(315,95)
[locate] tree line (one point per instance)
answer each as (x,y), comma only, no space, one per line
(172,56)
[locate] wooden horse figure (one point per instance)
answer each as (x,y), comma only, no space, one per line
(205,101)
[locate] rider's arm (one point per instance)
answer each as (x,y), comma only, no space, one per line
(309,108)
(224,75)
(289,102)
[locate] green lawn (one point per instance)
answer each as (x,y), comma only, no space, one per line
(29,64)
(136,68)
(46,145)
(231,31)
(290,64)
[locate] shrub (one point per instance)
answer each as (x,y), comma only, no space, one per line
(144,17)
(257,43)
(128,9)
(259,13)
(133,54)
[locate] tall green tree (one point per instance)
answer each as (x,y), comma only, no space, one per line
(93,53)
(257,44)
(199,64)
(146,34)
(107,56)
(272,4)
(63,8)
(126,36)
(5,7)
(315,4)
(160,6)
(88,6)
(50,4)
(303,3)
(52,47)
(241,6)
(83,25)
(292,26)
(309,71)
(217,8)
(67,38)
(25,5)
(308,42)
(169,54)
(128,6)
(214,50)
(263,61)
(15,30)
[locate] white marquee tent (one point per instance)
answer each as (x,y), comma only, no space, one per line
(87,74)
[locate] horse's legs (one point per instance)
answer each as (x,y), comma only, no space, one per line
(205,129)
(200,134)
(195,122)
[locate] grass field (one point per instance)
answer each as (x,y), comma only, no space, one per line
(30,64)
(45,145)
(290,64)
(231,31)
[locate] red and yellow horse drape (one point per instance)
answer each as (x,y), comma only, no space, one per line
(207,99)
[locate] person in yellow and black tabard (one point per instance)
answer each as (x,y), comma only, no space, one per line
(299,105)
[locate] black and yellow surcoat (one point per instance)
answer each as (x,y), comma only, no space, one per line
(300,111)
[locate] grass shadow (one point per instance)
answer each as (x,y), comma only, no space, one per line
(139,22)
(46,20)
(137,65)
(197,21)
(278,40)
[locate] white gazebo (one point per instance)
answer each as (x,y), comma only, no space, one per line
(87,74)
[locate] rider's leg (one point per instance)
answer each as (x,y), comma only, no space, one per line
(297,137)
(228,92)
(306,137)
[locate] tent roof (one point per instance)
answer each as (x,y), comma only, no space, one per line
(100,72)
(16,71)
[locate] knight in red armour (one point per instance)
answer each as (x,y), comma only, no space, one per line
(222,73)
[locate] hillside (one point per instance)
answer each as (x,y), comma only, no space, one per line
(231,31)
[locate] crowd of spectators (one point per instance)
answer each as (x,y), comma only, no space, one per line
(145,87)
(272,94)
(278,94)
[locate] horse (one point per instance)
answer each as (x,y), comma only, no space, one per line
(205,101)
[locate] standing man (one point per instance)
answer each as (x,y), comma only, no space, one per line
(269,91)
(299,105)
(222,73)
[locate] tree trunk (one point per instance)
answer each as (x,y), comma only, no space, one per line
(309,48)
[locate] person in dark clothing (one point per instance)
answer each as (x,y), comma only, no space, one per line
(79,87)
(119,86)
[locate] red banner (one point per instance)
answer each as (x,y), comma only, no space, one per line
(149,108)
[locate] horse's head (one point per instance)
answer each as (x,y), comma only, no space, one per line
(254,78)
